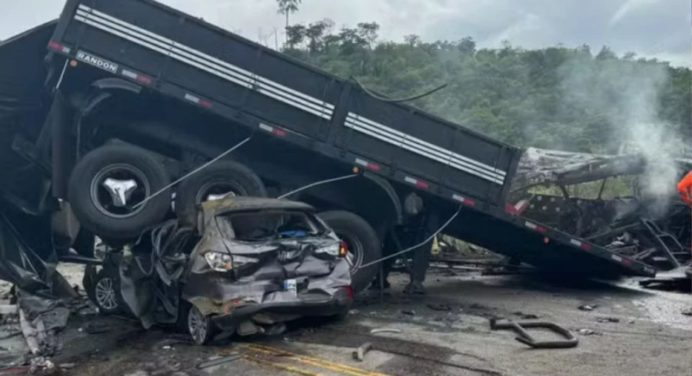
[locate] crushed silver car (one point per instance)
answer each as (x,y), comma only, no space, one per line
(249,266)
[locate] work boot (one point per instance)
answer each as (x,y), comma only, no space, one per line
(414,288)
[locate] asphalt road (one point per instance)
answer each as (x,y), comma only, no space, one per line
(629,332)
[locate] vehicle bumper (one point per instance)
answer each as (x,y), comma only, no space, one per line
(307,305)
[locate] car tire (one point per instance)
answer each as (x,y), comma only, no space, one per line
(221,177)
(364,245)
(95,206)
(200,327)
(104,292)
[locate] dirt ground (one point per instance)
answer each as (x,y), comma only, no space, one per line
(630,331)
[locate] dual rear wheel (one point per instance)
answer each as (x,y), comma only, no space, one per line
(117,191)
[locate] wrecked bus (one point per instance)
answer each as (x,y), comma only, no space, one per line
(103,110)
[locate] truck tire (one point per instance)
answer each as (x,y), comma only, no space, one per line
(107,185)
(221,178)
(363,244)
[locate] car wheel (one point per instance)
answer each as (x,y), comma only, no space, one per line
(108,189)
(363,245)
(105,292)
(221,179)
(199,326)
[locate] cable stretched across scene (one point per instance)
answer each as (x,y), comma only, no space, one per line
(198,169)
(409,249)
(332,180)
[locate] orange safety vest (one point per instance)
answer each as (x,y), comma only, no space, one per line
(685,189)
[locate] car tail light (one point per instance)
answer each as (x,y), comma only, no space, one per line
(343,249)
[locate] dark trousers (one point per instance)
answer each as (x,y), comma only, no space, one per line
(421,256)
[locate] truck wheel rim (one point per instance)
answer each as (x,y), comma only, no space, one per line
(103,198)
(105,294)
(355,254)
(216,191)
(197,325)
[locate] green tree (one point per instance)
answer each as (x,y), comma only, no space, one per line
(555,97)
(288,7)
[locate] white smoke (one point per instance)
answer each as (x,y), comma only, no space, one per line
(626,96)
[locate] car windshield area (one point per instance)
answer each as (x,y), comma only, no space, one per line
(263,225)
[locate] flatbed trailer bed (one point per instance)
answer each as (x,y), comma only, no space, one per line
(162,50)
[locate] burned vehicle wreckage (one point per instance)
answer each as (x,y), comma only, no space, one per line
(124,117)
(609,200)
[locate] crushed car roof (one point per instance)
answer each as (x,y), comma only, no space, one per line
(238,204)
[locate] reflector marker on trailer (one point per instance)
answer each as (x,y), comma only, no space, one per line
(511,209)
(205,62)
(199,101)
(273,130)
(417,182)
(369,165)
(141,78)
(535,227)
(578,243)
(464,200)
(616,257)
(58,47)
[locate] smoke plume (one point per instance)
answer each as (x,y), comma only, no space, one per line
(627,98)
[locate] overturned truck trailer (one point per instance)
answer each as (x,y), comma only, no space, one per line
(132,95)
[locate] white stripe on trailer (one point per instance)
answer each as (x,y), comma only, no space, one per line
(172,51)
(478,166)
(204,62)
(372,133)
(616,257)
(462,159)
(410,145)
(576,243)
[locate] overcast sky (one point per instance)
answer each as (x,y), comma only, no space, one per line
(651,28)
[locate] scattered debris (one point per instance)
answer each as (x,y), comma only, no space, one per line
(42,366)
(524,337)
(359,353)
(385,330)
(588,332)
(408,312)
(8,309)
(588,307)
(687,312)
(608,319)
(439,306)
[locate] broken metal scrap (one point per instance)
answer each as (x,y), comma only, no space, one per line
(359,353)
(524,337)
